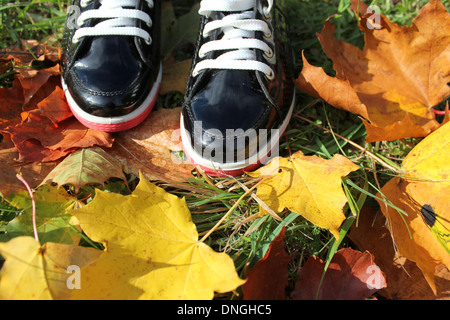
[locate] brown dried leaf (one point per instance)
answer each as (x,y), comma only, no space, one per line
(38,139)
(399,76)
(11,101)
(33,173)
(175,76)
(268,279)
(336,92)
(351,275)
(405,280)
(147,147)
(86,166)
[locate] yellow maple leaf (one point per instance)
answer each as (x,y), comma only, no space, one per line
(423,236)
(32,271)
(309,186)
(152,249)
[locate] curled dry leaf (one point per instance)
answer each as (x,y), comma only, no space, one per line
(39,140)
(31,79)
(11,102)
(30,52)
(396,80)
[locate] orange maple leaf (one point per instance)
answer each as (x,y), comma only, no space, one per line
(396,80)
(422,234)
(34,113)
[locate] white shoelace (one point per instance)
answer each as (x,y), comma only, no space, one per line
(238,39)
(120,21)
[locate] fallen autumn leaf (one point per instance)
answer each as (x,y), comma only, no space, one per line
(351,275)
(309,186)
(395,81)
(152,249)
(426,175)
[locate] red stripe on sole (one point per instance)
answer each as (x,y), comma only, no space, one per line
(117,127)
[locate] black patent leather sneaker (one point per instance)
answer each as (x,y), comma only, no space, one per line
(240,94)
(111,69)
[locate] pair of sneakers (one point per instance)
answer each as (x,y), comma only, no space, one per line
(239,97)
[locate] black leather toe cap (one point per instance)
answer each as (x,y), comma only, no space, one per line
(110,80)
(226,116)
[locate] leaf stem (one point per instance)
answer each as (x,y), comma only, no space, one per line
(248,191)
(33,205)
(381,161)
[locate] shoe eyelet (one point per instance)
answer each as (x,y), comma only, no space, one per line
(201,53)
(148,41)
(84,3)
(268,35)
(269,54)
(266,13)
(271,75)
(195,72)
(79,22)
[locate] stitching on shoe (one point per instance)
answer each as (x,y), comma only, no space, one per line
(78,82)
